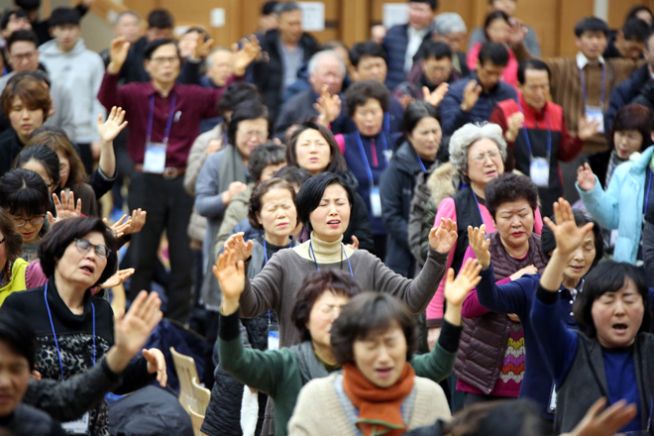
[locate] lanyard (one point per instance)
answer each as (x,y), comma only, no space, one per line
(648,176)
(312,254)
(582,79)
(169,122)
(265,252)
(525,134)
(474,197)
(54,332)
(364,157)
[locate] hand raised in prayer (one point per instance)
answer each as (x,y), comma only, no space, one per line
(480,244)
(443,237)
(230,273)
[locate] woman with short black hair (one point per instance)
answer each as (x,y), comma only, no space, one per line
(43,161)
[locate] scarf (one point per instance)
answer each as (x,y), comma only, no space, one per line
(614,161)
(379,408)
(310,366)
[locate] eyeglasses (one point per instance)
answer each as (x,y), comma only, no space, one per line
(165,60)
(33,221)
(84,246)
(481,157)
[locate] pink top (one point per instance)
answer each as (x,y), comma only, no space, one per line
(510,74)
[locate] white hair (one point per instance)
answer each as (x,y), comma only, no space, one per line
(319,57)
(467,135)
(209,59)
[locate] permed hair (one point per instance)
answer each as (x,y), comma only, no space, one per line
(463,138)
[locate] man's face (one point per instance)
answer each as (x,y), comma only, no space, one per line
(489,74)
(66,36)
(536,89)
(129,27)
(221,67)
(592,44)
(437,71)
(371,68)
(329,71)
(163,65)
(23,56)
(14,377)
(420,15)
(290,26)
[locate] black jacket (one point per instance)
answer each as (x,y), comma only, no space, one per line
(624,94)
(10,146)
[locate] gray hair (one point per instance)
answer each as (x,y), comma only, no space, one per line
(467,135)
(284,7)
(449,22)
(128,13)
(209,59)
(317,59)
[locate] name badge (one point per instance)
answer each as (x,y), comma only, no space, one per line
(551,407)
(155,158)
(594,113)
(539,171)
(79,426)
(273,338)
(388,154)
(375,202)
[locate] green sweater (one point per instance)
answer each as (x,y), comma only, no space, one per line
(277,372)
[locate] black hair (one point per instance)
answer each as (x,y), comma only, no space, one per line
(160,19)
(548,243)
(294,175)
(633,12)
(264,155)
(493,52)
(154,45)
(28,5)
(591,24)
(63,233)
(369,313)
(8,14)
(247,110)
(256,199)
(510,187)
(313,286)
(367,49)
(268,7)
(609,276)
(633,117)
(18,335)
(43,155)
(416,111)
(532,64)
(492,16)
(337,162)
(201,30)
(22,35)
(311,193)
(359,93)
(24,192)
(433,4)
(283,7)
(62,16)
(635,29)
(12,239)
(434,49)
(237,93)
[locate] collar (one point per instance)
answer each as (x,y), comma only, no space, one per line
(413,32)
(151,90)
(325,252)
(582,60)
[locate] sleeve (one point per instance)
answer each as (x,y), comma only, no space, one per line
(263,291)
(340,141)
(558,344)
(69,399)
(510,297)
(570,145)
(101,183)
(476,37)
(190,73)
(110,94)
(194,163)
(391,190)
(616,102)
(438,364)
(208,199)
(531,43)
(34,275)
(360,224)
(603,205)
(261,370)
(452,117)
(135,377)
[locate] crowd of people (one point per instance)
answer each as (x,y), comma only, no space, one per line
(405,236)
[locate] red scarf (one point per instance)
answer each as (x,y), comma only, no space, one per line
(379,408)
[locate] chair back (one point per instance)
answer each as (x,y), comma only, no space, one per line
(186,372)
(202,396)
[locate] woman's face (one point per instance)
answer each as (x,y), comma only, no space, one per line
(514,221)
(617,316)
(426,138)
(64,168)
(369,117)
(278,215)
(332,216)
(581,260)
(323,313)
(382,355)
(250,134)
(38,168)
(484,162)
(81,266)
(312,151)
(24,120)
(28,226)
(499,31)
(627,142)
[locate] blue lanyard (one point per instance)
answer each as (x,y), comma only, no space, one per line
(648,176)
(584,93)
(312,254)
(525,134)
(422,165)
(364,157)
(169,122)
(265,252)
(54,332)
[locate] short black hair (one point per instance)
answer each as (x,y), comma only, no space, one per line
(268,7)
(510,187)
(367,313)
(367,49)
(311,193)
(24,192)
(635,29)
(548,243)
(247,110)
(62,16)
(434,49)
(492,16)
(532,64)
(416,111)
(256,199)
(263,155)
(64,233)
(633,117)
(154,45)
(433,4)
(43,155)
(237,93)
(8,14)
(495,53)
(294,175)
(609,276)
(313,286)
(18,335)
(591,24)
(337,162)
(28,5)
(359,93)
(22,35)
(160,19)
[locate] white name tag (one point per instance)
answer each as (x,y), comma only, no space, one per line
(539,171)
(375,202)
(80,426)
(552,404)
(155,158)
(273,338)
(594,113)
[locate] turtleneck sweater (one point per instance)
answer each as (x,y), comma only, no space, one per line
(278,283)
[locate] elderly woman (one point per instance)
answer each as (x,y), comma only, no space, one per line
(74,328)
(324,205)
(515,250)
(379,391)
(611,353)
(627,197)
(418,153)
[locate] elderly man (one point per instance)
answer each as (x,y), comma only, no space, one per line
(450,28)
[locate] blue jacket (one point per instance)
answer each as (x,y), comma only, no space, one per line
(624,93)
(395,43)
(452,117)
(621,205)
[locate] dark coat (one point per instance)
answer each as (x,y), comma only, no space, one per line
(10,146)
(624,93)
(395,43)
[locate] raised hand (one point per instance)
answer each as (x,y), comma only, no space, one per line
(156,364)
(66,207)
(236,243)
(243,57)
(328,107)
(118,228)
(457,289)
(202,48)
(230,274)
(136,221)
(566,233)
(514,124)
(443,237)
(480,245)
(435,98)
(118,278)
(113,125)
(607,422)
(586,178)
(118,54)
(471,94)
(529,269)
(587,128)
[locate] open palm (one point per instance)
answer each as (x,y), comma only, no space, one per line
(443,237)
(480,244)
(566,233)
(230,273)
(456,289)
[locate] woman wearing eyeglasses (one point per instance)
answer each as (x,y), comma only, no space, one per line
(74,328)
